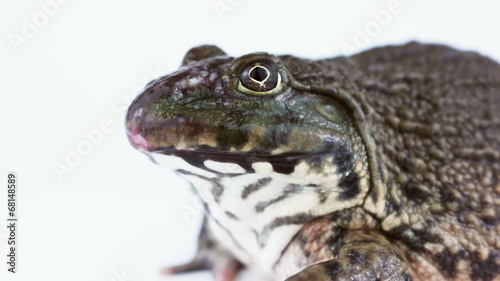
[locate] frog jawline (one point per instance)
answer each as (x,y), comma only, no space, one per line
(283,163)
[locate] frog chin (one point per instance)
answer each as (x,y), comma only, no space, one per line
(330,178)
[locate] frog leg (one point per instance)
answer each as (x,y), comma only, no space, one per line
(210,255)
(358,255)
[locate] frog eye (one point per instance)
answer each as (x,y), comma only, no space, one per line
(260,78)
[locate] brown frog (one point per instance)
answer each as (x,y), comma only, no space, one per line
(380,166)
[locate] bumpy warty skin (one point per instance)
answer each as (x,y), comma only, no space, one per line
(380,166)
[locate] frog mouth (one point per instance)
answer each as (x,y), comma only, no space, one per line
(283,163)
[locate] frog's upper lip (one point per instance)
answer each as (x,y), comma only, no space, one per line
(138,141)
(212,154)
(196,156)
(135,137)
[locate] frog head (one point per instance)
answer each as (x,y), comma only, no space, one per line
(243,111)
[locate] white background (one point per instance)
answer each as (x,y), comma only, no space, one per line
(115,215)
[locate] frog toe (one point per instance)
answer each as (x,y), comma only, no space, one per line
(227,270)
(194,265)
(224,268)
(209,256)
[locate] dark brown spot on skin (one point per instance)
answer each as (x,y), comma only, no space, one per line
(295,219)
(488,269)
(332,268)
(407,277)
(355,258)
(251,188)
(231,215)
(301,218)
(336,242)
(491,220)
(447,263)
(343,158)
(349,186)
(228,137)
(284,167)
(415,193)
(290,190)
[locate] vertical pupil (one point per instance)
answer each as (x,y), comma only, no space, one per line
(259,74)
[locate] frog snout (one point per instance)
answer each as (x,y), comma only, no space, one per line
(134,136)
(132,125)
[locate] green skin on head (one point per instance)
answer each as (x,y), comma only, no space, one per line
(201,106)
(205,107)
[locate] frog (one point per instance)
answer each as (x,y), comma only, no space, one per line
(382,165)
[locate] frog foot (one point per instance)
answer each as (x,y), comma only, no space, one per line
(223,266)
(211,256)
(363,256)
(342,269)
